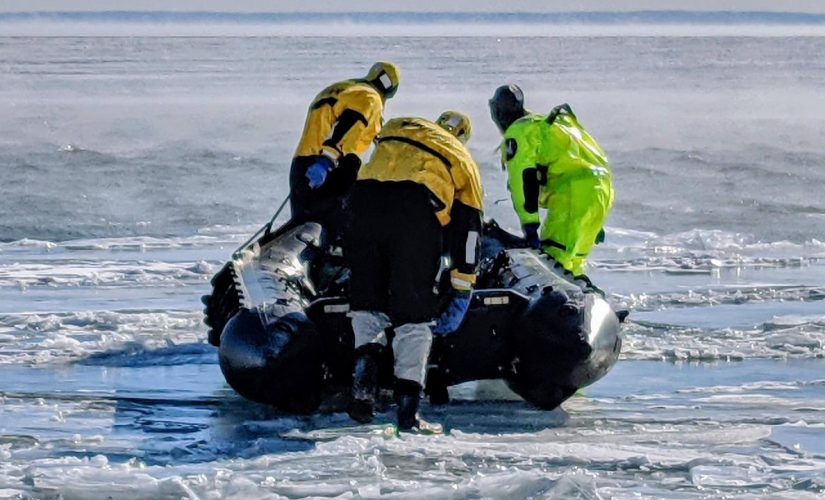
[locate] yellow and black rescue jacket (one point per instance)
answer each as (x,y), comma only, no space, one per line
(343,119)
(415,149)
(418,150)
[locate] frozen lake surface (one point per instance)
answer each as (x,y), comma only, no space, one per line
(132,167)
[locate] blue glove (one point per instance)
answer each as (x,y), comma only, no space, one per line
(317,172)
(531,235)
(452,317)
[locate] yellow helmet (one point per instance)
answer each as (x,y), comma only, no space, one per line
(457,124)
(385,76)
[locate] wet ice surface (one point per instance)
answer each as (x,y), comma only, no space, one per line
(720,392)
(136,165)
(654,429)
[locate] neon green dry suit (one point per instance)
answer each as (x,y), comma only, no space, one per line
(553,163)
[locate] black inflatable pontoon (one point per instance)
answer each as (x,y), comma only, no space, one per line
(278,309)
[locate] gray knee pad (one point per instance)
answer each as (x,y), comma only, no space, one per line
(369,326)
(411,347)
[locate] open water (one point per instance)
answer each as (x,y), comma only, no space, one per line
(131,167)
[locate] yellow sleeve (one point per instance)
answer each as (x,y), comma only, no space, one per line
(467,181)
(358,121)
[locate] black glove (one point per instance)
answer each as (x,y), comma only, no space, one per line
(531,235)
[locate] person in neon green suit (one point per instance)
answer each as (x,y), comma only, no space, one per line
(554,164)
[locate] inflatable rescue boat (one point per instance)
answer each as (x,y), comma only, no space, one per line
(278,315)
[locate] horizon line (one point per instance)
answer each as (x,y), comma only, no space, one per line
(411,17)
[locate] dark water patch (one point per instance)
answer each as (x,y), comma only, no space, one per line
(164,192)
(763,191)
(186,354)
(18,441)
(786,207)
(169,426)
(814,485)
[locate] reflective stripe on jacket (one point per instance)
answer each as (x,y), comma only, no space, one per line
(418,150)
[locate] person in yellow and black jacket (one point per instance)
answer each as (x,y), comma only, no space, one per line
(341,124)
(420,183)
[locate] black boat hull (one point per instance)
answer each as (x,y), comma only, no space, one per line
(283,343)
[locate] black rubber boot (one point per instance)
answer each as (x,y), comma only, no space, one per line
(407,396)
(365,383)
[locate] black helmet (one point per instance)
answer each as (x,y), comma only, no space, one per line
(507,105)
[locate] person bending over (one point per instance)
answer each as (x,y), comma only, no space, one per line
(341,124)
(553,163)
(420,183)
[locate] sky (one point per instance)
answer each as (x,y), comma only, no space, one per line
(804,6)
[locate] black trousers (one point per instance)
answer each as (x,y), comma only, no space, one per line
(393,244)
(325,204)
